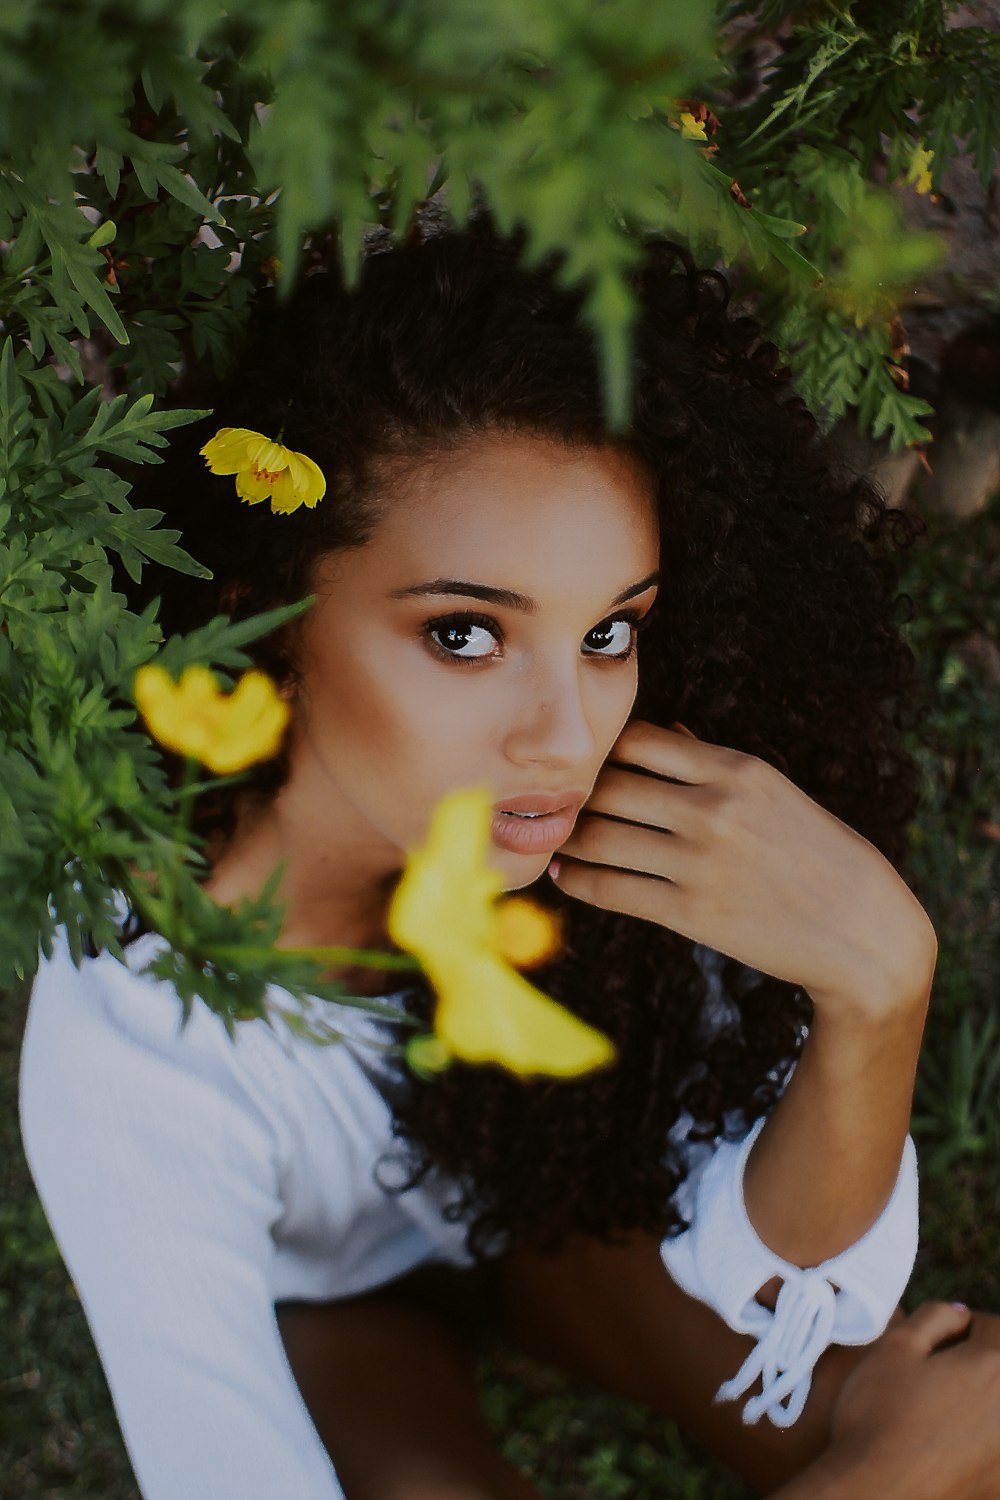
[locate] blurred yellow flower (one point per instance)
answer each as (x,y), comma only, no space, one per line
(920,169)
(192,717)
(692,129)
(265,470)
(444,912)
(524,933)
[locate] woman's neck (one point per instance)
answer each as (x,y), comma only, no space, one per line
(334,896)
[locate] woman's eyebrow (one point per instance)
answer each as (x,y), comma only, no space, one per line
(504,597)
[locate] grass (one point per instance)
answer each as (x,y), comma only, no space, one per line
(58,1435)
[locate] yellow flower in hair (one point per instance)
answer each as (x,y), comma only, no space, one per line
(444,911)
(265,470)
(226,733)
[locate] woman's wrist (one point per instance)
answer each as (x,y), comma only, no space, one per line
(849,1038)
(893,986)
(824,1166)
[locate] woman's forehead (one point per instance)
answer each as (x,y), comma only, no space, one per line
(519,514)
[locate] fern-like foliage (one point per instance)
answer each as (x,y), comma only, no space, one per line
(158,164)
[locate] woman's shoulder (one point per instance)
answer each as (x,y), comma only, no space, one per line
(107,1047)
(110,1067)
(103,1009)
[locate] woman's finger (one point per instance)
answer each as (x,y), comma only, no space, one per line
(640,799)
(651,897)
(933,1324)
(627,846)
(669,752)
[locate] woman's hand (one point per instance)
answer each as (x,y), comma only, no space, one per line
(724,849)
(730,853)
(916,1421)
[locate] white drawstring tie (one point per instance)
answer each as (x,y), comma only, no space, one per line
(848,1299)
(784,1358)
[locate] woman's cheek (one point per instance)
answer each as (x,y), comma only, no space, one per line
(609,704)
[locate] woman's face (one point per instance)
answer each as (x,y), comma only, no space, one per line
(414,682)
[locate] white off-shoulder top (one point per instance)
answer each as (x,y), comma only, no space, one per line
(193,1181)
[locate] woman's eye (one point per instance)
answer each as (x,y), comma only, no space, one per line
(455,632)
(606,635)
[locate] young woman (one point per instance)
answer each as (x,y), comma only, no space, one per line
(697,1226)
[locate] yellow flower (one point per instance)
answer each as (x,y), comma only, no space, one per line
(265,470)
(524,932)
(443,911)
(192,717)
(692,129)
(920,169)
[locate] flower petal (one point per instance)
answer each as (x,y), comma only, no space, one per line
(495,1015)
(444,899)
(284,497)
(919,173)
(176,712)
(226,452)
(253,487)
(525,933)
(155,695)
(264,453)
(252,726)
(692,129)
(309,479)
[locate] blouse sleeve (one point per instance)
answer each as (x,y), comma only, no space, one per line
(848,1299)
(158,1175)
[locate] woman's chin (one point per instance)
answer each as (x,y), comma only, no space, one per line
(518,870)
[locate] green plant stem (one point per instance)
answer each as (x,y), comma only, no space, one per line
(363,957)
(182,818)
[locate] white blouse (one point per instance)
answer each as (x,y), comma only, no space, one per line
(193,1181)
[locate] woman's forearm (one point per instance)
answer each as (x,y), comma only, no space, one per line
(833,1477)
(825,1164)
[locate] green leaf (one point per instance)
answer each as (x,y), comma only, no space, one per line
(185,191)
(127,430)
(785,229)
(103,235)
(222,640)
(15,421)
(108,164)
(90,289)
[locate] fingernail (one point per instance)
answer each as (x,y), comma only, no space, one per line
(554,868)
(960,1306)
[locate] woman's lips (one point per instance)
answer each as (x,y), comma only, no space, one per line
(533,835)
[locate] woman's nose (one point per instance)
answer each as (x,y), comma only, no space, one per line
(554,721)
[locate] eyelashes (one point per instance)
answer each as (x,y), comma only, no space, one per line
(462,620)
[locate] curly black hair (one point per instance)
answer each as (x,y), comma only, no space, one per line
(777,633)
